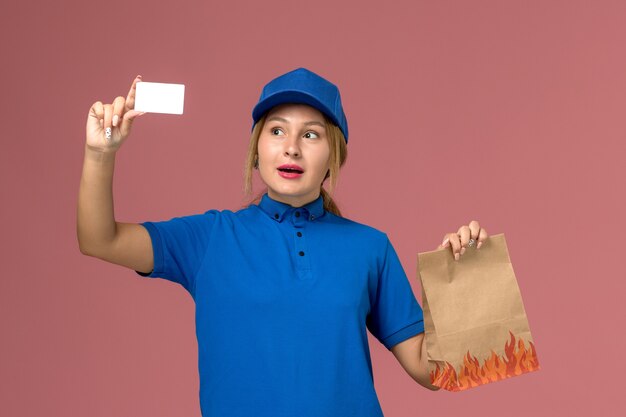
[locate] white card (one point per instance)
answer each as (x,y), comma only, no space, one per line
(159,97)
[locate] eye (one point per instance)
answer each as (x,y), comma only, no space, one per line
(275,129)
(316,135)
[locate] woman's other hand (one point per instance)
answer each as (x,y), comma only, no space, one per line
(459,241)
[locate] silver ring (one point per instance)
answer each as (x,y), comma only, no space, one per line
(471,242)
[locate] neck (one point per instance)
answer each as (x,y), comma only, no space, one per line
(294,201)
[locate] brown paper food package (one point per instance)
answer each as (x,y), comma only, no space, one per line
(476,330)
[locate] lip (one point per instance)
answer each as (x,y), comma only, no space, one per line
(292,166)
(290,175)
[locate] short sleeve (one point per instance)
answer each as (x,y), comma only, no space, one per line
(395,314)
(179,246)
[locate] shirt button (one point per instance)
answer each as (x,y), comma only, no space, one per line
(299,234)
(276,215)
(297,214)
(301,253)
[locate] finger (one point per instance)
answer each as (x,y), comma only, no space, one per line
(474,228)
(133,114)
(97,111)
(482,237)
(108,115)
(118,107)
(130,98)
(455,245)
(445,243)
(127,121)
(464,235)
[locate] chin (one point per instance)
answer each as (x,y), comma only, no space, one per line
(290,191)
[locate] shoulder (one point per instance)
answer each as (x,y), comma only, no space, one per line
(230,214)
(201,219)
(354,225)
(358,230)
(231,217)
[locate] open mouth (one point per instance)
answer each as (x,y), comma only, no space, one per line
(291,170)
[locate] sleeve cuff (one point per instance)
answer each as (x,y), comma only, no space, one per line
(157,250)
(403,334)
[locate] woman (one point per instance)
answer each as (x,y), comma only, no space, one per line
(285,287)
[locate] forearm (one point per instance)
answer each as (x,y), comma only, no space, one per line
(424,374)
(95,222)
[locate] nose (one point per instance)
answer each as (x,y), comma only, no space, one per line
(292,147)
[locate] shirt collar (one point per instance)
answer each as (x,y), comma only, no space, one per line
(277,209)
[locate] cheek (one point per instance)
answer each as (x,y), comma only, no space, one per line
(325,157)
(267,147)
(263,149)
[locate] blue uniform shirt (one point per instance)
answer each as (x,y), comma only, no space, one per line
(283,298)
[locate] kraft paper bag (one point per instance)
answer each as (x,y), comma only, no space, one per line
(475,325)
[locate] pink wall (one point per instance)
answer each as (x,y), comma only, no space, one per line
(510,113)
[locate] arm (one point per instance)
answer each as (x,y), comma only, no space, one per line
(411,354)
(99,235)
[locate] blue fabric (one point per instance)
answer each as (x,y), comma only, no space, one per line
(303,86)
(283,299)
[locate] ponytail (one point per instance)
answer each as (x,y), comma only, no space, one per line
(329,203)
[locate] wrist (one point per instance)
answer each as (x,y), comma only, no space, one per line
(98,154)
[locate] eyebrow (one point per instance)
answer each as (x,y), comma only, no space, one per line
(281,119)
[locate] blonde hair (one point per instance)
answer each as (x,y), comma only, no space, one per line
(338,156)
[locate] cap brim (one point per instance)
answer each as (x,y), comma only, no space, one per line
(290,96)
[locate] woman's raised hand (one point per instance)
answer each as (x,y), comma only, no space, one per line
(108,125)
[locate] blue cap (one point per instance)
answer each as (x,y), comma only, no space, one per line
(303,86)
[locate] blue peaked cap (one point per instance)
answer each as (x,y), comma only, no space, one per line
(303,86)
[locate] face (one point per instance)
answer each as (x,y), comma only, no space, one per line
(294,134)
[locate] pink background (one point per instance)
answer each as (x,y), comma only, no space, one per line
(509,113)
